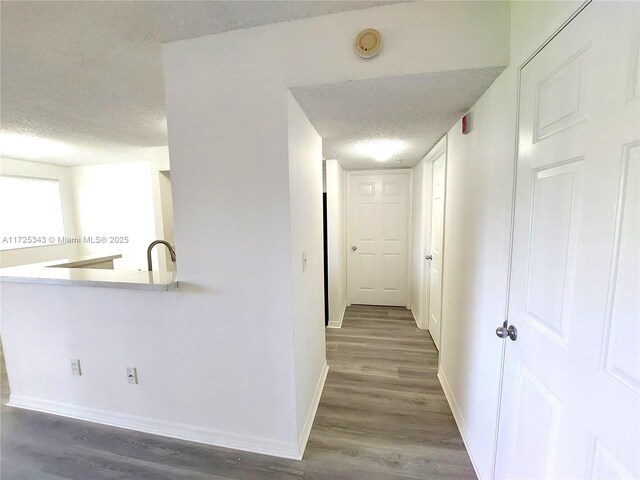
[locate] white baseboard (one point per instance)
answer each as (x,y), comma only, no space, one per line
(303,438)
(166,429)
(338,323)
(416,317)
(457,415)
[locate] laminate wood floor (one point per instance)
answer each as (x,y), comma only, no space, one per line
(382,415)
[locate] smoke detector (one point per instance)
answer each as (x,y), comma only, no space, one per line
(368,43)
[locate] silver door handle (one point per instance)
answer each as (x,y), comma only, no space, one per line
(504,332)
(429,257)
(354,248)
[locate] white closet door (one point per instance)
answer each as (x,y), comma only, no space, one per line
(571,401)
(437,243)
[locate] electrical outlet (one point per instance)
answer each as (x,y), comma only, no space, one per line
(75,367)
(132,375)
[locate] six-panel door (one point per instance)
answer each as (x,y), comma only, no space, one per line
(570,406)
(377,238)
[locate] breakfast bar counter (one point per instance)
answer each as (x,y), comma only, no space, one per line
(79,272)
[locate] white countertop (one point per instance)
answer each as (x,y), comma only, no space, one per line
(53,273)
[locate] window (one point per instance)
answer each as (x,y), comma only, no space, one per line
(30,212)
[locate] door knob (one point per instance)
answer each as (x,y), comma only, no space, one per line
(354,248)
(429,257)
(504,332)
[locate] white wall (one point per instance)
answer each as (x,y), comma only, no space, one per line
(477,230)
(116,200)
(533,22)
(228,141)
(336,241)
(305,184)
(477,223)
(21,256)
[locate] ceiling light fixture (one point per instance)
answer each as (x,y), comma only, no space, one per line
(379,150)
(26,147)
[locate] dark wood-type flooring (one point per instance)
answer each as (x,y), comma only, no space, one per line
(382,415)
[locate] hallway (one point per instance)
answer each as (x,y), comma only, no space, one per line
(383,411)
(382,416)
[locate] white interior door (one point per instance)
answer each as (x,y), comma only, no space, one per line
(570,406)
(377,237)
(436,244)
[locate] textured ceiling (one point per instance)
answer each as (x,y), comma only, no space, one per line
(89,73)
(416,109)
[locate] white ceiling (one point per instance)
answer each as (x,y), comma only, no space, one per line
(89,73)
(416,109)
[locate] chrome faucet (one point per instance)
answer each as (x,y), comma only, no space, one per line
(172,252)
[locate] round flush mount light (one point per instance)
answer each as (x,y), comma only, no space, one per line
(368,43)
(381,150)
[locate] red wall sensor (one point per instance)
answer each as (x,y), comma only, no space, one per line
(466,124)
